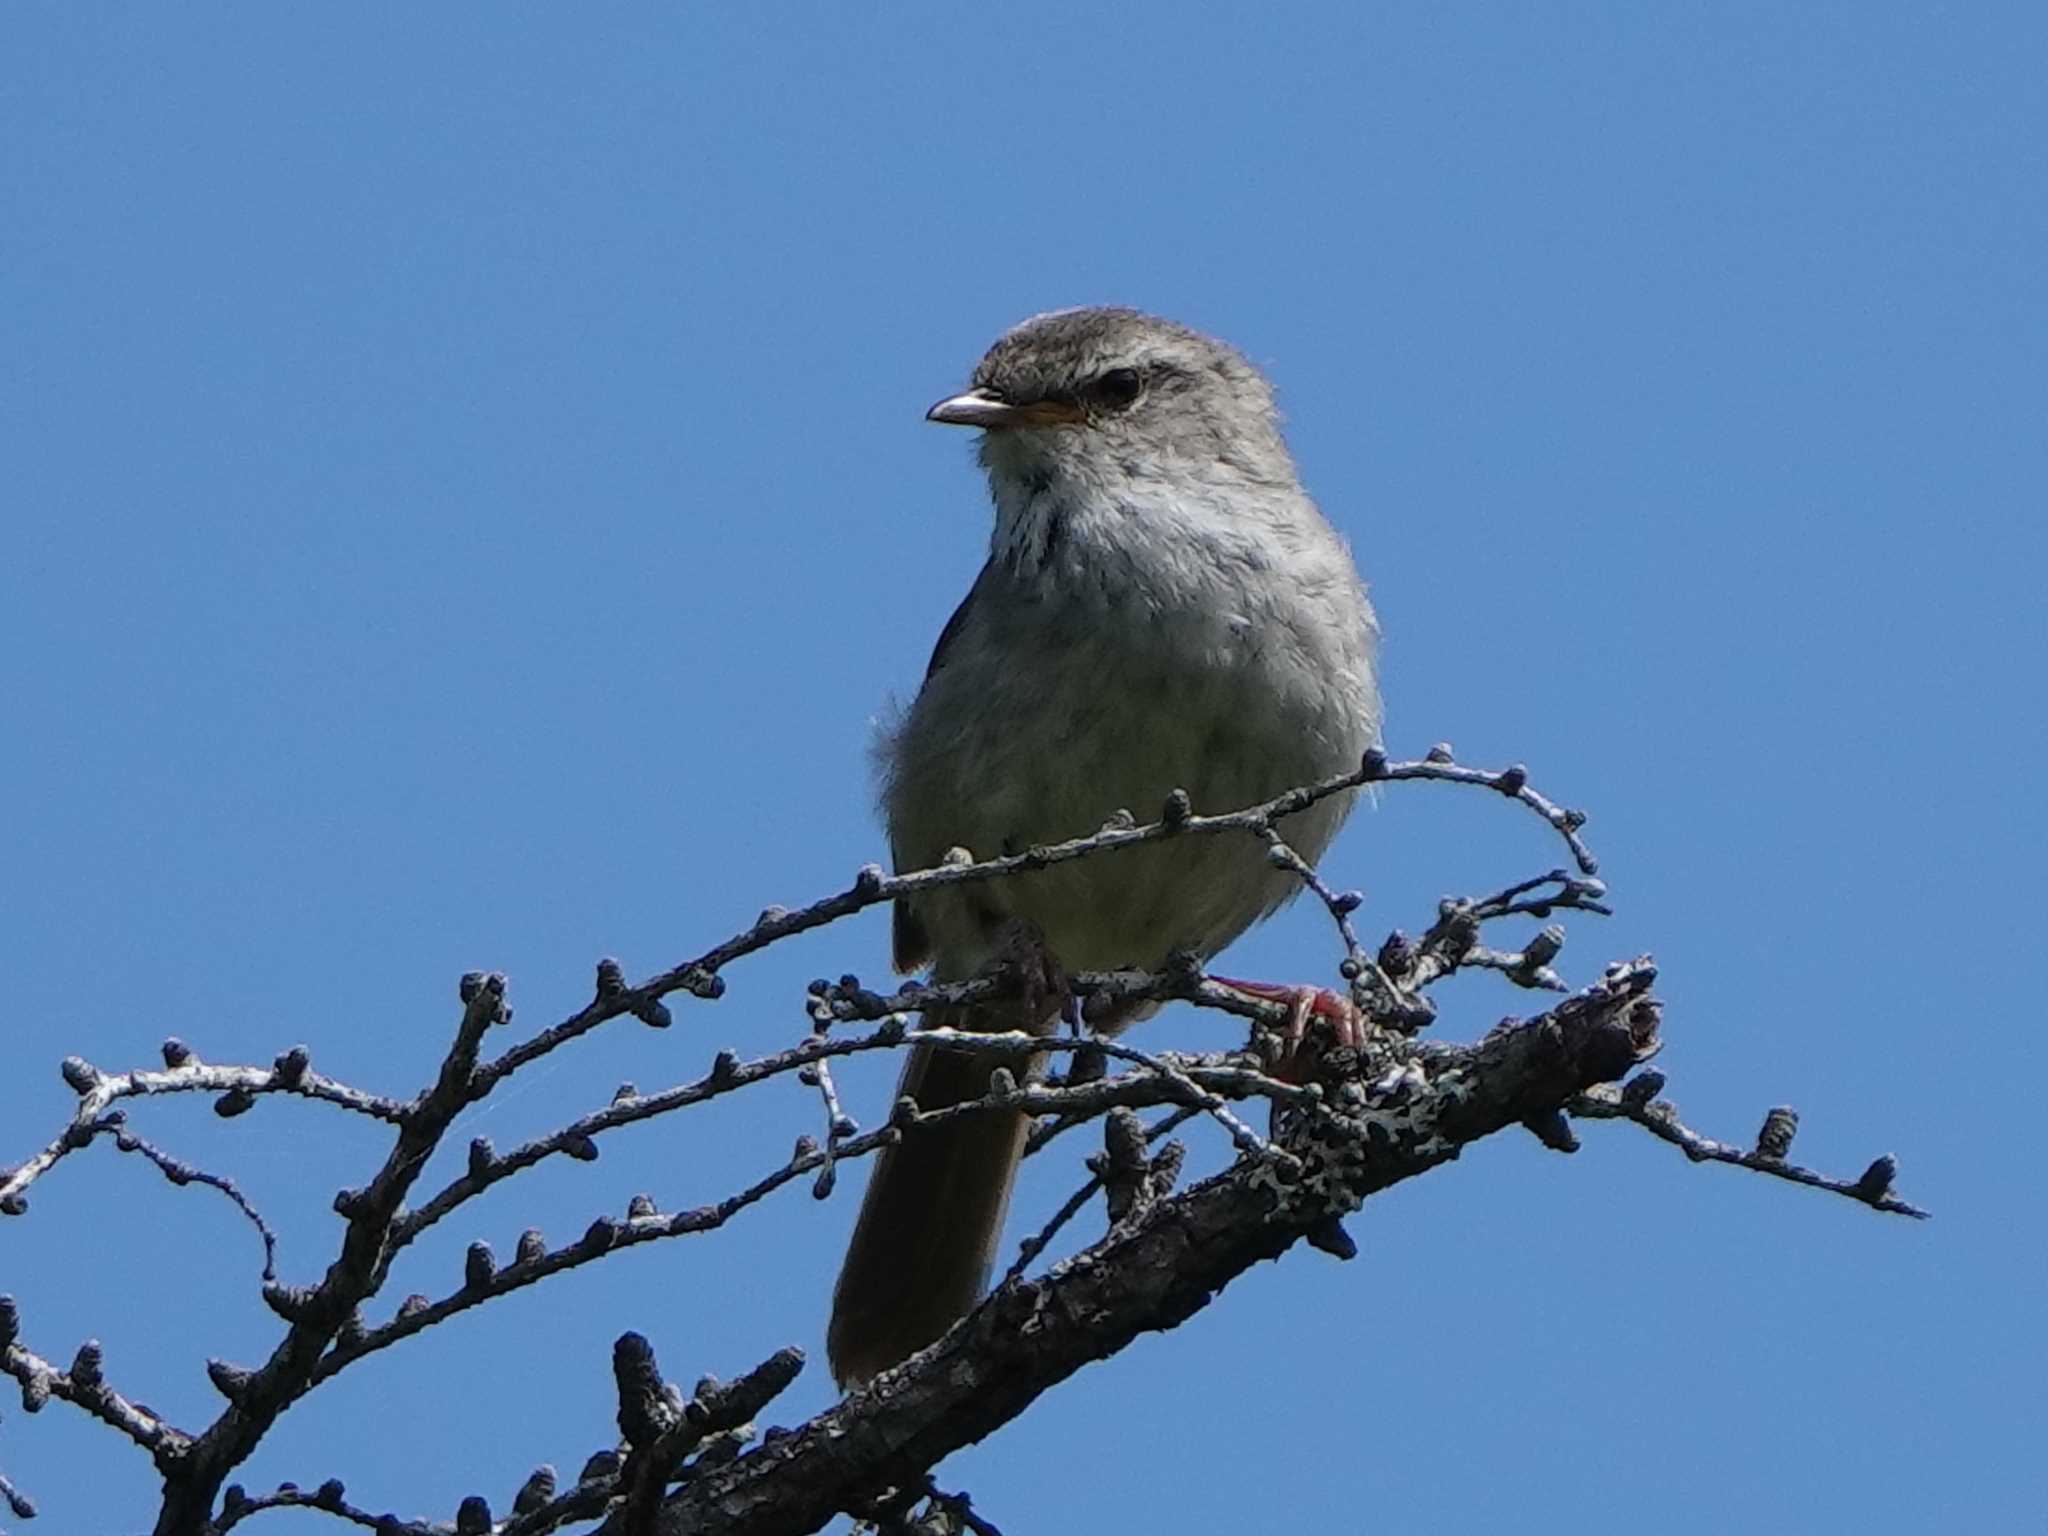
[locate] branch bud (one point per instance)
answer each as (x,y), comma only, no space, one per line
(708,985)
(1876,1182)
(81,1075)
(537,1490)
(231,1381)
(236,1101)
(644,1411)
(1329,1237)
(1774,1140)
(1553,1130)
(87,1366)
(1643,1087)
(293,1303)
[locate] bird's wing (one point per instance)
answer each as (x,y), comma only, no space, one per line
(955,625)
(911,945)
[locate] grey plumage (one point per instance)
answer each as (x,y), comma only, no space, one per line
(1162,607)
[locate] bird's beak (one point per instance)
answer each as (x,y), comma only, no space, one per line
(985,408)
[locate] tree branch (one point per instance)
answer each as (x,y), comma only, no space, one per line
(1376,1113)
(1163,1264)
(1637,1101)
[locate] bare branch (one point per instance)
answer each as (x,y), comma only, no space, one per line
(1381,1108)
(1406,968)
(19,1504)
(183,1073)
(538,1509)
(237,1505)
(83,1386)
(663,1432)
(1637,1101)
(255,1398)
(871,887)
(1197,1083)
(180,1172)
(1164,1264)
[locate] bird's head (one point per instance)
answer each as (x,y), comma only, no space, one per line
(1108,394)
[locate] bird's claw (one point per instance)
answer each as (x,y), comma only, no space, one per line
(1043,996)
(1306,1005)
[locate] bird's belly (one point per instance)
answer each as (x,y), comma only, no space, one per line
(1052,754)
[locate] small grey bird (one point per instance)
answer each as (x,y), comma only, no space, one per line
(1163,607)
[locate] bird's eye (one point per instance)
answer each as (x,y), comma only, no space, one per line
(1117,389)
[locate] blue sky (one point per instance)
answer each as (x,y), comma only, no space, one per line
(468,499)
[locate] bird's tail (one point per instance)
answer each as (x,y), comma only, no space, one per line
(932,1220)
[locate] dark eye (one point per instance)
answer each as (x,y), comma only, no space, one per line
(1117,388)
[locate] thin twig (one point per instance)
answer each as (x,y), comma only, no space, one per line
(181,1172)
(330,1497)
(98,1091)
(1200,1088)
(19,1504)
(702,977)
(1075,1203)
(84,1387)
(1660,1118)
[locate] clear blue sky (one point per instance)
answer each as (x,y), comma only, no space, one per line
(467,497)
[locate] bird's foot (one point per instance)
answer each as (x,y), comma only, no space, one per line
(1306,1005)
(1042,995)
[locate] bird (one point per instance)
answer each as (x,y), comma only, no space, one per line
(1162,608)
